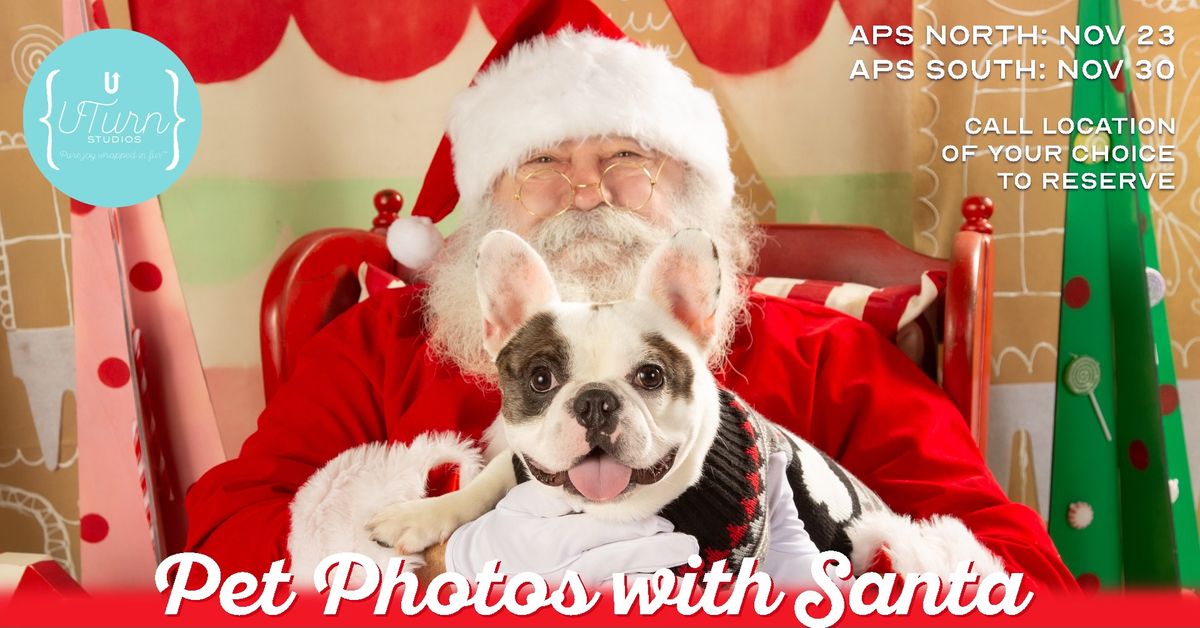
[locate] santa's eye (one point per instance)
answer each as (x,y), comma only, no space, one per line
(649,376)
(541,379)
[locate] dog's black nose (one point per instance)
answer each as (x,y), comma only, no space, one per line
(596,409)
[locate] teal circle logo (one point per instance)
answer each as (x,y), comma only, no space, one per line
(112,117)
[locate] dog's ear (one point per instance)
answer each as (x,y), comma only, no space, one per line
(513,284)
(683,277)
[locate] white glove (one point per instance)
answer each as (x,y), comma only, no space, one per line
(790,557)
(534,530)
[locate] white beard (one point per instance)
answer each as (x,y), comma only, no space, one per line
(593,255)
(596,255)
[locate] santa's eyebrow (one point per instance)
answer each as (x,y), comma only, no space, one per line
(626,143)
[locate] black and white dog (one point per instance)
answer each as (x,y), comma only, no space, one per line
(613,406)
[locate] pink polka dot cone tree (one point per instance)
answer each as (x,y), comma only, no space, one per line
(1118,438)
(145,422)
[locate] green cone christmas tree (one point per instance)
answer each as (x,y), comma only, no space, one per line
(1120,498)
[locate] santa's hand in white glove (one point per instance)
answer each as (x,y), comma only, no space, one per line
(533,530)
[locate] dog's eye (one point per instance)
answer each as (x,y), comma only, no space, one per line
(649,376)
(541,379)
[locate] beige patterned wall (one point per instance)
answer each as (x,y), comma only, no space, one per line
(1028,225)
(651,22)
(38,484)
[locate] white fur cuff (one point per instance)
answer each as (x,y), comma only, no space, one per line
(935,546)
(330,512)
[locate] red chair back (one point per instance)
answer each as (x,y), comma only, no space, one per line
(864,255)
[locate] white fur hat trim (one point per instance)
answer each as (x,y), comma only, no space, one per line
(574,85)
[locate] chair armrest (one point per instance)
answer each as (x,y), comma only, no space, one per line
(314,280)
(966,369)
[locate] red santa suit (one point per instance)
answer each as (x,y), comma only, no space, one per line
(367,385)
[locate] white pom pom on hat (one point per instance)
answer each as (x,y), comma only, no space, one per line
(414,241)
(562,70)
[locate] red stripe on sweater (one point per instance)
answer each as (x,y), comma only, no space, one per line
(736,533)
(750,505)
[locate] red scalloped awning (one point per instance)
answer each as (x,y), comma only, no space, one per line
(381,40)
(748,37)
(385,40)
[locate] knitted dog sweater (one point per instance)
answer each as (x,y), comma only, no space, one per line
(727,509)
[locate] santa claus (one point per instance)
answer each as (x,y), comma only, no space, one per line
(595,150)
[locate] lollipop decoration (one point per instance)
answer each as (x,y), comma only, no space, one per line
(1083,376)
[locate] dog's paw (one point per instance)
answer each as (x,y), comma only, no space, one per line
(410,527)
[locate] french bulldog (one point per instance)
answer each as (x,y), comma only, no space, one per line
(613,406)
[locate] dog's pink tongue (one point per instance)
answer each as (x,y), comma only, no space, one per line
(600,478)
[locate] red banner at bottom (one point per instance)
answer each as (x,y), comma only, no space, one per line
(148,609)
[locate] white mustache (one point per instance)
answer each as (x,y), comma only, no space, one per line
(616,228)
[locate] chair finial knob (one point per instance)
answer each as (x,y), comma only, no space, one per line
(388,203)
(976,211)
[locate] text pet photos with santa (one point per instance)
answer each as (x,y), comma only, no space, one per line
(354,578)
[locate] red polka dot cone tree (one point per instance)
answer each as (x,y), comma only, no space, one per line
(1120,498)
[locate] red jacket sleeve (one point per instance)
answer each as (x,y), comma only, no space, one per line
(238,512)
(905,438)
(841,385)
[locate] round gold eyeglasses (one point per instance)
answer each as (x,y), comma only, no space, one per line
(625,185)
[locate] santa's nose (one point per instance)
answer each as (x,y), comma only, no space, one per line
(587,196)
(587,190)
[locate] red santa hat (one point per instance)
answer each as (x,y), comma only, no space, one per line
(563,70)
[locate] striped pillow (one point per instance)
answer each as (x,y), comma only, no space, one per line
(901,313)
